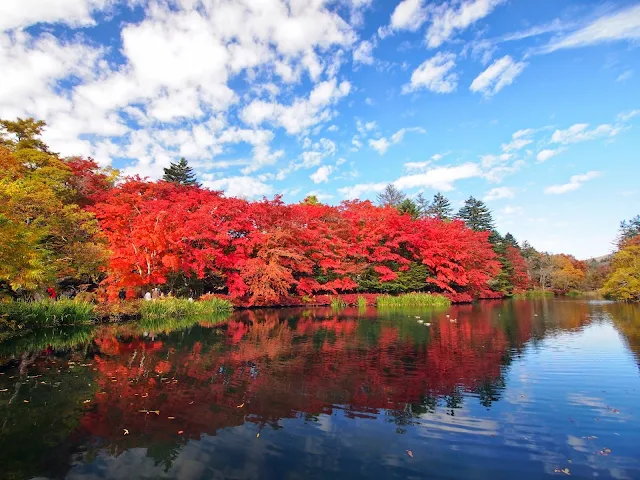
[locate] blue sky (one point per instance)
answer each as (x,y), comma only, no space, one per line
(532,106)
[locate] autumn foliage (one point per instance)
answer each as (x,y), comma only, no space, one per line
(266,251)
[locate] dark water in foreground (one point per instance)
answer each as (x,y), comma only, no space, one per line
(515,389)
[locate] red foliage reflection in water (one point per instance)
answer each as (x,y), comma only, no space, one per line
(262,368)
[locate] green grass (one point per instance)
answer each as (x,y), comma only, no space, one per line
(362,303)
(413,300)
(534,294)
(337,302)
(180,307)
(44,313)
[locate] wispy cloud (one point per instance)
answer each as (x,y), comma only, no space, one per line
(618,26)
(580,132)
(499,193)
(574,183)
(500,73)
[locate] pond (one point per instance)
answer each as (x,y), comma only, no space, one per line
(499,389)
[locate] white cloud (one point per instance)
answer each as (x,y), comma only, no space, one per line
(519,140)
(498,75)
(621,25)
(364,53)
(356,191)
(554,26)
(439,178)
(497,173)
(490,160)
(544,155)
(411,166)
(435,75)
(302,113)
(175,67)
(575,183)
(321,196)
(449,17)
(580,132)
(244,187)
(509,210)
(75,13)
(499,193)
(381,145)
(626,116)
(408,15)
(322,174)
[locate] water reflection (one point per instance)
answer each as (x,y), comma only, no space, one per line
(197,394)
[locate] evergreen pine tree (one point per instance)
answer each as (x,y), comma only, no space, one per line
(408,206)
(476,215)
(511,240)
(391,196)
(440,207)
(180,173)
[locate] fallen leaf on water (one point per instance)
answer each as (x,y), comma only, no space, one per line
(126,432)
(562,470)
(87,401)
(171,418)
(258,435)
(410,453)
(26,401)
(180,432)
(241,405)
(4,390)
(605,451)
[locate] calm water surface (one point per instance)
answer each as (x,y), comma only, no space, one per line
(515,389)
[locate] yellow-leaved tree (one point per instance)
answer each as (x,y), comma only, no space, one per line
(623,283)
(45,236)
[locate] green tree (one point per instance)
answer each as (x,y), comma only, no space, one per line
(180,173)
(409,207)
(476,215)
(311,200)
(22,134)
(511,240)
(440,207)
(629,229)
(391,196)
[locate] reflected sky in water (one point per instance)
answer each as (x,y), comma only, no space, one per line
(492,390)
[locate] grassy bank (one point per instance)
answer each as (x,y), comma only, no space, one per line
(180,307)
(534,294)
(413,300)
(45,313)
(20,315)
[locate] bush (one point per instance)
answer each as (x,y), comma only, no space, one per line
(413,300)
